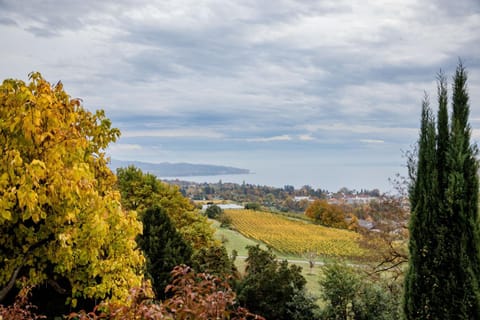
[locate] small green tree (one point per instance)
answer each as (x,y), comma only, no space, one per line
(213,211)
(274,289)
(214,260)
(340,286)
(253,206)
(348,295)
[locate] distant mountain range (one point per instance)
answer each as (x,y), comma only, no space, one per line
(167,169)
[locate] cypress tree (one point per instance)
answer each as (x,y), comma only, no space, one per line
(462,209)
(422,193)
(443,134)
(442,280)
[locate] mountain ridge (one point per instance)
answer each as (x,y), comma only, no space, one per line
(178,169)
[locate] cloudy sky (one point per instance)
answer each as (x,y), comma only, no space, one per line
(325,93)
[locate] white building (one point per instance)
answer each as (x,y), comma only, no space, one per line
(228,206)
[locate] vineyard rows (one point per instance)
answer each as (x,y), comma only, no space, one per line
(296,237)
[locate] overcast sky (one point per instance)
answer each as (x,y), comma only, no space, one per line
(326,93)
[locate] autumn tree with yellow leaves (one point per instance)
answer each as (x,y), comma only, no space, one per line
(61,222)
(326,214)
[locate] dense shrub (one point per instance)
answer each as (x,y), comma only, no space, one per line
(196,296)
(213,211)
(21,309)
(253,206)
(348,295)
(275,289)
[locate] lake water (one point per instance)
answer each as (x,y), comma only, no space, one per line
(331,178)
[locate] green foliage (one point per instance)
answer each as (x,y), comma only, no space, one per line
(139,190)
(143,190)
(442,281)
(349,296)
(214,260)
(217,213)
(213,211)
(340,287)
(163,247)
(253,206)
(60,217)
(274,289)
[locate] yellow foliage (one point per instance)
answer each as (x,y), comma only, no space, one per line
(59,215)
(326,214)
(296,237)
(141,191)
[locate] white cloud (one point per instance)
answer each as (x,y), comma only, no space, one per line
(173,133)
(270,139)
(306,137)
(476,134)
(372,141)
(125,150)
(367,133)
(121,147)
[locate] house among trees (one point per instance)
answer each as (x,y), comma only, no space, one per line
(352,199)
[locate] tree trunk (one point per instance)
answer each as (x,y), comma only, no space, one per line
(4,292)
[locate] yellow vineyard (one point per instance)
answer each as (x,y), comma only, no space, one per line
(296,237)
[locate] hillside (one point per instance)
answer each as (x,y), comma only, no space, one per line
(296,238)
(167,169)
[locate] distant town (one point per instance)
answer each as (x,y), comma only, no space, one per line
(286,199)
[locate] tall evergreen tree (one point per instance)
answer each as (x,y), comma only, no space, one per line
(163,247)
(422,193)
(462,201)
(443,134)
(443,277)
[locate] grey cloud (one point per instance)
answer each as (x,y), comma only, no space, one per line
(216,47)
(50,17)
(7,21)
(42,32)
(248,74)
(458,8)
(171,54)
